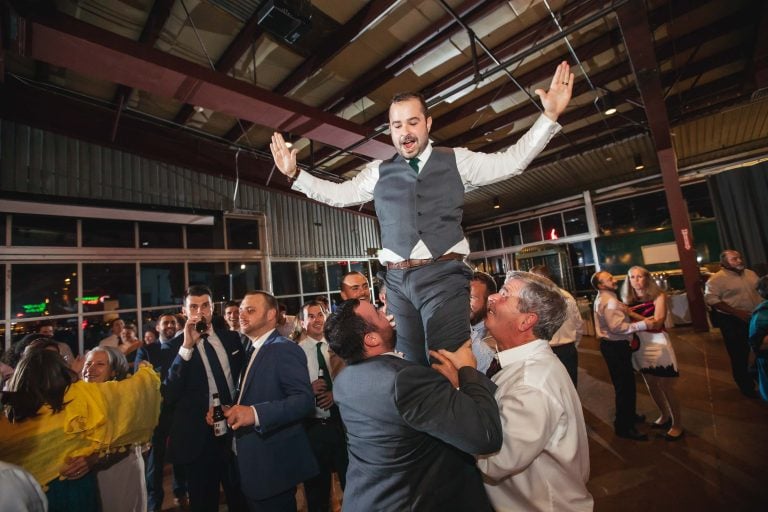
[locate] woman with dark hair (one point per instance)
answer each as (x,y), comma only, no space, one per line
(655,359)
(51,418)
(758,337)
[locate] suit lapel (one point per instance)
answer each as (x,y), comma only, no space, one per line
(260,355)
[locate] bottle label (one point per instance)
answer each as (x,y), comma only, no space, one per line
(220,428)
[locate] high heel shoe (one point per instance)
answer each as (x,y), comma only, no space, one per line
(662,426)
(670,437)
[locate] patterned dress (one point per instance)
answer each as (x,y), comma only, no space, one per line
(655,355)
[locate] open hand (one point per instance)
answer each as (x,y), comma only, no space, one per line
(285,157)
(558,96)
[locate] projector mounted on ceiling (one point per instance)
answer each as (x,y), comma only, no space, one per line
(286,19)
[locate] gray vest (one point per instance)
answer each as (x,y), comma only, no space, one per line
(426,206)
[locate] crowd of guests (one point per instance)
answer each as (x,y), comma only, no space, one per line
(495,425)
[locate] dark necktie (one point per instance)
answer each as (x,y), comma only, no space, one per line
(494,368)
(324,367)
(414,163)
(217,370)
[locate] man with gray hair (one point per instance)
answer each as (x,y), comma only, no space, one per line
(543,463)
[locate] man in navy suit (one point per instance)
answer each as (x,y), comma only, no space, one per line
(273,451)
(204,363)
(411,430)
(161,355)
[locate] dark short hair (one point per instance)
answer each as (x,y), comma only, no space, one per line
(345,332)
(197,290)
(405,96)
(762,287)
(231,303)
(46,323)
(310,303)
(268,297)
(486,279)
(595,280)
(351,273)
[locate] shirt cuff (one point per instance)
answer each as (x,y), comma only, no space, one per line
(255,417)
(640,326)
(546,125)
(186,353)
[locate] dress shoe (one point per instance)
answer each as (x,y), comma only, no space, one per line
(639,418)
(670,437)
(633,434)
(662,426)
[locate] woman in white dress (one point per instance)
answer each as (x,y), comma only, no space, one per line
(655,359)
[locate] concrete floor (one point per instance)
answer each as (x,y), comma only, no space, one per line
(718,466)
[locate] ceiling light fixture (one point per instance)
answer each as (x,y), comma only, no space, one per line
(606,104)
(639,163)
(496,204)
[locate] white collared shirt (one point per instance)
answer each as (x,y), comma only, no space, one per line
(309,345)
(257,344)
(221,353)
(611,322)
(475,169)
(543,464)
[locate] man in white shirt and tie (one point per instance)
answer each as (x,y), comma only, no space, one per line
(324,427)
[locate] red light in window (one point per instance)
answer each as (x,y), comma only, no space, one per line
(85,325)
(553,234)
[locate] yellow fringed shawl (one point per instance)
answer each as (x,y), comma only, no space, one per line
(96,418)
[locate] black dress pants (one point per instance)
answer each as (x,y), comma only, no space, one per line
(618,357)
(569,356)
(329,446)
(736,335)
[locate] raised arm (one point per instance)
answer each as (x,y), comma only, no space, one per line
(557,97)
(356,191)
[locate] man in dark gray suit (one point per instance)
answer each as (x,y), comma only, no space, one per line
(410,429)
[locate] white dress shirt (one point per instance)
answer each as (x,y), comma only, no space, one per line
(737,290)
(543,464)
(611,322)
(309,345)
(221,353)
(257,344)
(482,351)
(573,327)
(475,169)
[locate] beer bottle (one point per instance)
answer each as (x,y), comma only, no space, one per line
(219,421)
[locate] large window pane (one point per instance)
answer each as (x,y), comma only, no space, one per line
(153,235)
(510,234)
(285,277)
(475,240)
(292,305)
(575,222)
(698,201)
(531,230)
(206,237)
(552,225)
(313,277)
(336,269)
(245,277)
(107,233)
(492,238)
(108,286)
(213,276)
(41,290)
(162,284)
(581,253)
(3,220)
(43,230)
(243,233)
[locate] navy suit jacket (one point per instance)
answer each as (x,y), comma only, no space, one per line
(411,435)
(276,455)
(186,391)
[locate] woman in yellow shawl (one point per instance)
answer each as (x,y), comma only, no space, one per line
(52,417)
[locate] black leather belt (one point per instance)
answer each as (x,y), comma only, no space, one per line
(406,264)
